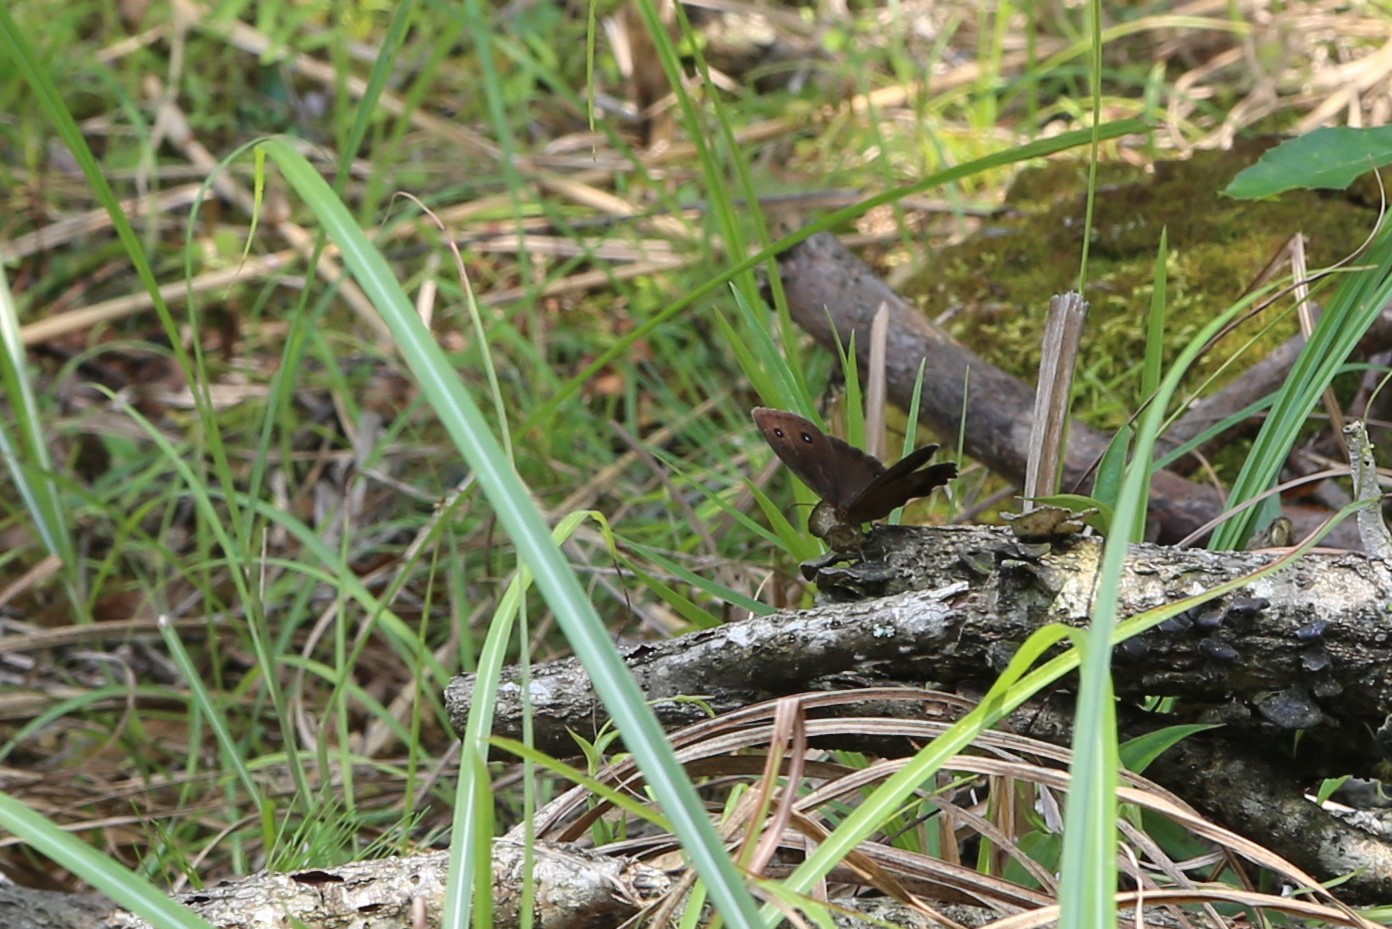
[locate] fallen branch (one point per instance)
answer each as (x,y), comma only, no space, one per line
(1303,649)
(573,888)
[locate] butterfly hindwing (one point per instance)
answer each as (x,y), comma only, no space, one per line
(909,463)
(898,486)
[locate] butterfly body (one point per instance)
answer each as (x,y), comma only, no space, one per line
(855,487)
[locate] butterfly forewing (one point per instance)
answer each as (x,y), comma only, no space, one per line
(859,488)
(837,471)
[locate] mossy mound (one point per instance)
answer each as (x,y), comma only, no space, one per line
(995,287)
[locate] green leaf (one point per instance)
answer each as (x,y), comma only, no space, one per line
(1112,468)
(1137,754)
(1326,159)
(1328,786)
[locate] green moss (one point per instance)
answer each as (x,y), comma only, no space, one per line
(999,282)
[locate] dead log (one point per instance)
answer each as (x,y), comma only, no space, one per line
(574,889)
(1304,650)
(1296,666)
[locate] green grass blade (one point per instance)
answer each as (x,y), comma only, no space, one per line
(1151,370)
(1112,468)
(1011,690)
(17,49)
(1038,149)
(1356,304)
(1089,855)
(365,107)
(520,518)
(106,876)
(1155,322)
(217,719)
(26,455)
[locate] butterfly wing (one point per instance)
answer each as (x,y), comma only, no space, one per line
(837,471)
(902,482)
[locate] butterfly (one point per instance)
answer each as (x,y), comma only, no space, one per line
(855,487)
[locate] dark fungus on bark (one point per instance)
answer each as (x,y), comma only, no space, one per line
(1218,650)
(1311,632)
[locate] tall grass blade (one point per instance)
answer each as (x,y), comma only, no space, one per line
(520,518)
(105,875)
(1089,855)
(26,454)
(1356,304)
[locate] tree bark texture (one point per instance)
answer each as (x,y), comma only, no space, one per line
(1296,666)
(1306,649)
(574,889)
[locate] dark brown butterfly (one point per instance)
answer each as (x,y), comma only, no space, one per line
(854,486)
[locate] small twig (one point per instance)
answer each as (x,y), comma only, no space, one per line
(1305,312)
(1062,333)
(876,392)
